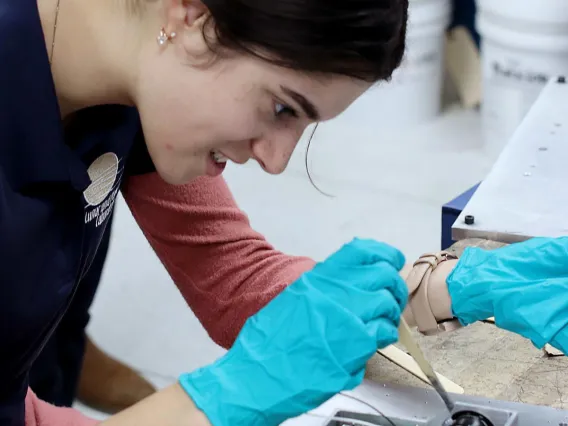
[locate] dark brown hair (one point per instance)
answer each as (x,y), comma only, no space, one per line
(364,39)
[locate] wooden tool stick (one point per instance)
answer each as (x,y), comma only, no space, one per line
(405,337)
(406,362)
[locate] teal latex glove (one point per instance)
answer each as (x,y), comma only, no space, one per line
(523,285)
(309,343)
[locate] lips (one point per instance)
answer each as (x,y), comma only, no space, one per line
(218,157)
(216,163)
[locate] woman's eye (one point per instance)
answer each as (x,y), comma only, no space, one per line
(280,109)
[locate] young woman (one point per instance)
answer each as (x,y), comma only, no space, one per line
(94,92)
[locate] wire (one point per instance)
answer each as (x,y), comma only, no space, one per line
(358,422)
(371,406)
(308,167)
(344,420)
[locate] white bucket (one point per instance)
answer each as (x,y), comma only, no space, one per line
(414,94)
(523,43)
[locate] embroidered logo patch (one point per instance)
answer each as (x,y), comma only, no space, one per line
(105,173)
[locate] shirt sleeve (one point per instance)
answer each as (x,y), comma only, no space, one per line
(40,413)
(224,269)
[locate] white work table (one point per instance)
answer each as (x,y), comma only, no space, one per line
(339,402)
(526,193)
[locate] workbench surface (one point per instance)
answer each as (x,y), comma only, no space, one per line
(487,361)
(525,193)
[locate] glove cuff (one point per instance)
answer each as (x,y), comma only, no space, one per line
(203,394)
(429,304)
(205,389)
(219,391)
(229,393)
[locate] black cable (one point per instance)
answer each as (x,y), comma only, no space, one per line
(372,407)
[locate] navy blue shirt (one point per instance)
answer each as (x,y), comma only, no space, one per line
(57,189)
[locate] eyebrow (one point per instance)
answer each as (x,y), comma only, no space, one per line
(309,109)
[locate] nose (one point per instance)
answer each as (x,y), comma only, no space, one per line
(273,151)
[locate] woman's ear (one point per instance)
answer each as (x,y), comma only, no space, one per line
(184,24)
(183,15)
(195,12)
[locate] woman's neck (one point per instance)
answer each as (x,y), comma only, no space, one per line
(94,52)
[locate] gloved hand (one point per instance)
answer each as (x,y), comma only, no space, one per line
(309,343)
(523,285)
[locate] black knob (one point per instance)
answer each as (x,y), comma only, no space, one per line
(561,79)
(469,219)
(469,418)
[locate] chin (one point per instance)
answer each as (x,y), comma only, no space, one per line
(175,178)
(173,170)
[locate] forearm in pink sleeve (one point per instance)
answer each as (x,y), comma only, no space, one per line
(225,270)
(40,413)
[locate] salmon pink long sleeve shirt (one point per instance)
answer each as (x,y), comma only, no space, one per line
(224,269)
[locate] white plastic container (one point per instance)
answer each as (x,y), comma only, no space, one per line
(413,95)
(524,43)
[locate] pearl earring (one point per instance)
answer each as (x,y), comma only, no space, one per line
(164,37)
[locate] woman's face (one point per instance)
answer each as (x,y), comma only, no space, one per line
(237,108)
